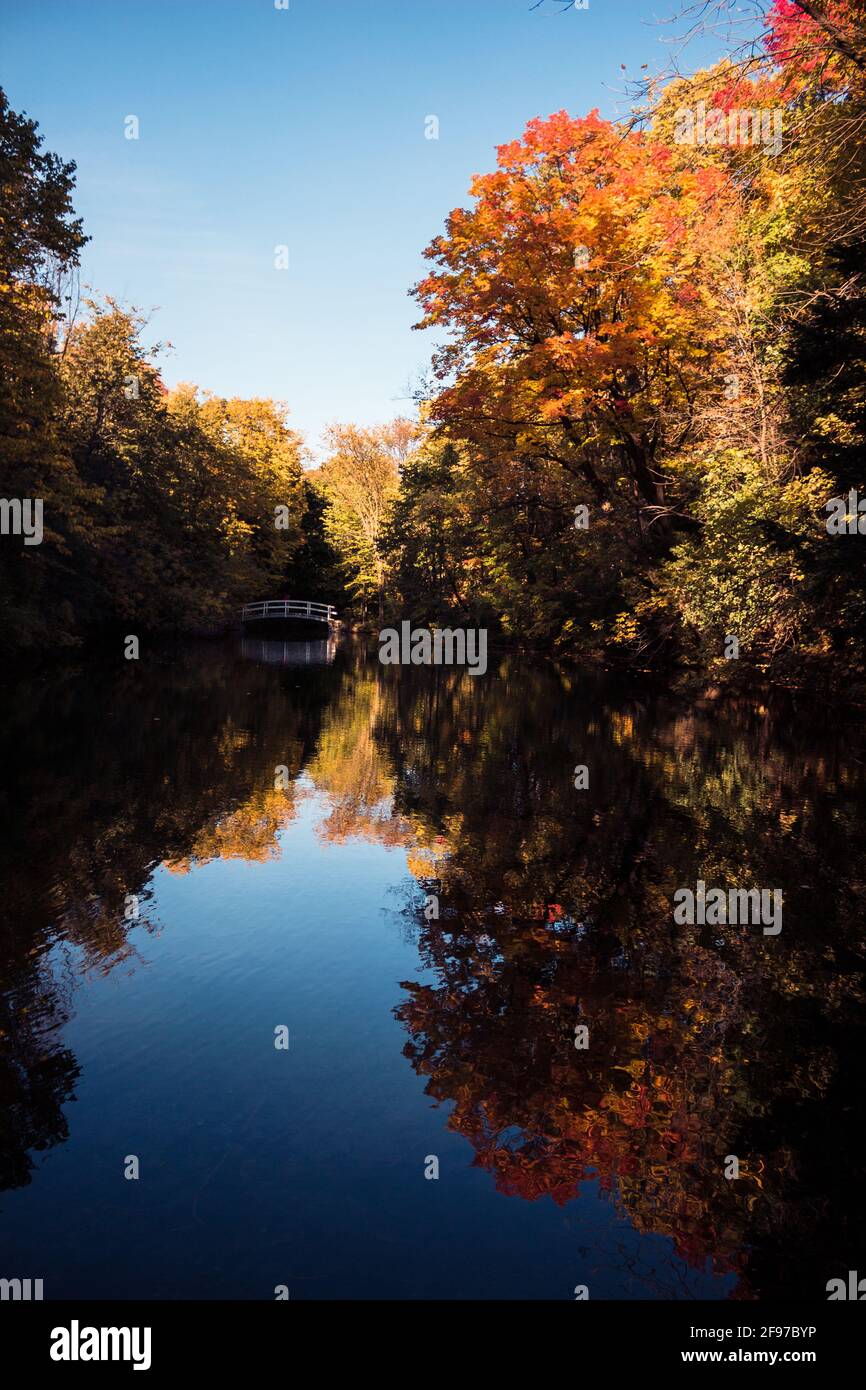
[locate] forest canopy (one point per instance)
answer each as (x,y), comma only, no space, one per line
(648,407)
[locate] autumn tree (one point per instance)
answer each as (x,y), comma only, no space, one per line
(40,243)
(314,570)
(166,508)
(263,479)
(429,540)
(201,498)
(578,295)
(794,303)
(360,478)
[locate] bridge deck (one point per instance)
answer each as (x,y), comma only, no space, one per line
(288,608)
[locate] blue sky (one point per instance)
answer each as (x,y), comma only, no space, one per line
(306,128)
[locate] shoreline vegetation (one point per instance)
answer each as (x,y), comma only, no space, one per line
(651,390)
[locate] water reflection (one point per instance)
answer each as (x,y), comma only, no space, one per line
(317,653)
(554,910)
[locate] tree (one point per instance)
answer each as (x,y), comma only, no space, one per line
(360,480)
(200,499)
(40,242)
(263,479)
(428,542)
(313,570)
(578,293)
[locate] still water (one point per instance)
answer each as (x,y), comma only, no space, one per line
(286,819)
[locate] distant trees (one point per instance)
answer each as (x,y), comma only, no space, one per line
(426,542)
(360,480)
(162,509)
(315,570)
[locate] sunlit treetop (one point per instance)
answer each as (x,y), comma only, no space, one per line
(818,44)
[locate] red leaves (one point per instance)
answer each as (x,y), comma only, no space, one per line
(802,47)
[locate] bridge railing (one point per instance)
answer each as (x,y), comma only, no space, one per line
(288,608)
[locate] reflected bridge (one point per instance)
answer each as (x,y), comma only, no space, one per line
(318,652)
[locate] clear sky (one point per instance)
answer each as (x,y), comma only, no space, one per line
(302,127)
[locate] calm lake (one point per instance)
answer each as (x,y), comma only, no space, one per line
(222,841)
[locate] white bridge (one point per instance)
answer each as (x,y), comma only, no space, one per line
(288,608)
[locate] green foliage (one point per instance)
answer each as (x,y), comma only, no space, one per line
(359,481)
(746,572)
(161,509)
(428,539)
(314,569)
(39,247)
